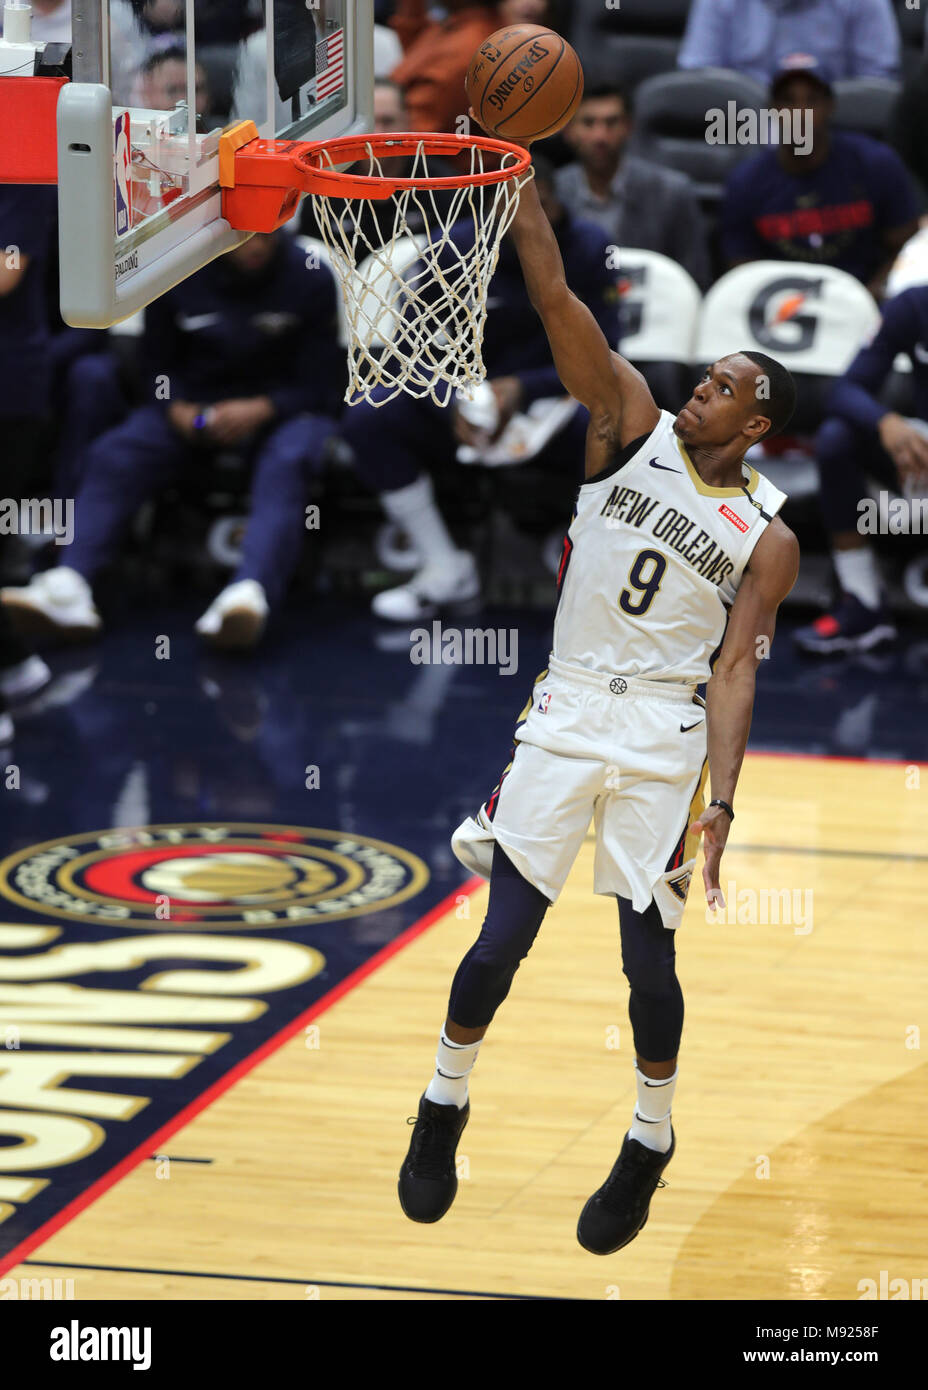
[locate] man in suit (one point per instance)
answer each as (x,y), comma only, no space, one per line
(635,202)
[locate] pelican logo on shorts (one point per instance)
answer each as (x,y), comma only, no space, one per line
(197,877)
(680,885)
(618,686)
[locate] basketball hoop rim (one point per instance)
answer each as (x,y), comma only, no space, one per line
(347,149)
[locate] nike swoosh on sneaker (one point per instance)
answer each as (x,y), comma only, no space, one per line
(664,467)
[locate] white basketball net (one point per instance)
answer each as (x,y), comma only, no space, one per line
(416,305)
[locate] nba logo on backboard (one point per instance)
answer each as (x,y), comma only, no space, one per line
(123,181)
(544,702)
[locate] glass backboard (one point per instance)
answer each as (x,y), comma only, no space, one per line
(155,82)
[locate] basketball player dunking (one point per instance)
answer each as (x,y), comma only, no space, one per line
(675,556)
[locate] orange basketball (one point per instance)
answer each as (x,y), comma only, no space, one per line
(524,82)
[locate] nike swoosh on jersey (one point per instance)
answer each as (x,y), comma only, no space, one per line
(685,728)
(654,464)
(191,322)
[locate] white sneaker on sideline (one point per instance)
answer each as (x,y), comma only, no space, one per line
(236,618)
(452,582)
(24,679)
(57,602)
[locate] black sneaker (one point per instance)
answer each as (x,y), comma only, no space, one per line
(428,1181)
(618,1211)
(852,627)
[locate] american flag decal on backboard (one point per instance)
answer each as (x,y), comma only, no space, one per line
(330,65)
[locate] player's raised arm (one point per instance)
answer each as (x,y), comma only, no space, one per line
(769,577)
(616,395)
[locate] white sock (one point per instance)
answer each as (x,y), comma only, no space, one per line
(651,1125)
(414,509)
(858,575)
(453,1065)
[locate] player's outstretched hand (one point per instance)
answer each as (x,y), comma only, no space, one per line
(714,822)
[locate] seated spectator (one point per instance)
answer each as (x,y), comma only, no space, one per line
(635,202)
(243,356)
(836,198)
(436,56)
(862,437)
(162,82)
(27,229)
(852,38)
(91,395)
(395,443)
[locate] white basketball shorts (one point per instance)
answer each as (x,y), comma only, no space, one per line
(628,754)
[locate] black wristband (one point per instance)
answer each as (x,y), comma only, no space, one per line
(725,807)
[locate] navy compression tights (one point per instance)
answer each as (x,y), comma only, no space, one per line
(514,915)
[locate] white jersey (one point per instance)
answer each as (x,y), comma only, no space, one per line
(652,563)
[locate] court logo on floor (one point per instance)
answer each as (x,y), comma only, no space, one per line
(202,876)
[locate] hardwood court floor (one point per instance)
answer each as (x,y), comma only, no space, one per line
(800,1110)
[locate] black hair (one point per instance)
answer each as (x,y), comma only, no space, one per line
(175,53)
(598,91)
(778,400)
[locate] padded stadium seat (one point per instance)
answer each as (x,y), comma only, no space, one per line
(671,120)
(865,105)
(630,43)
(813,319)
(659,316)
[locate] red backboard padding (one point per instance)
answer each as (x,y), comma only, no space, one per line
(28,136)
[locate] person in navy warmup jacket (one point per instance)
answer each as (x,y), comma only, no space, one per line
(862,437)
(242,356)
(27,230)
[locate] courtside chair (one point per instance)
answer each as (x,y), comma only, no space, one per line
(811,318)
(629,43)
(671,124)
(865,105)
(660,306)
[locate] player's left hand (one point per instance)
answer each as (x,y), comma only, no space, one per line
(508,393)
(716,824)
(232,421)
